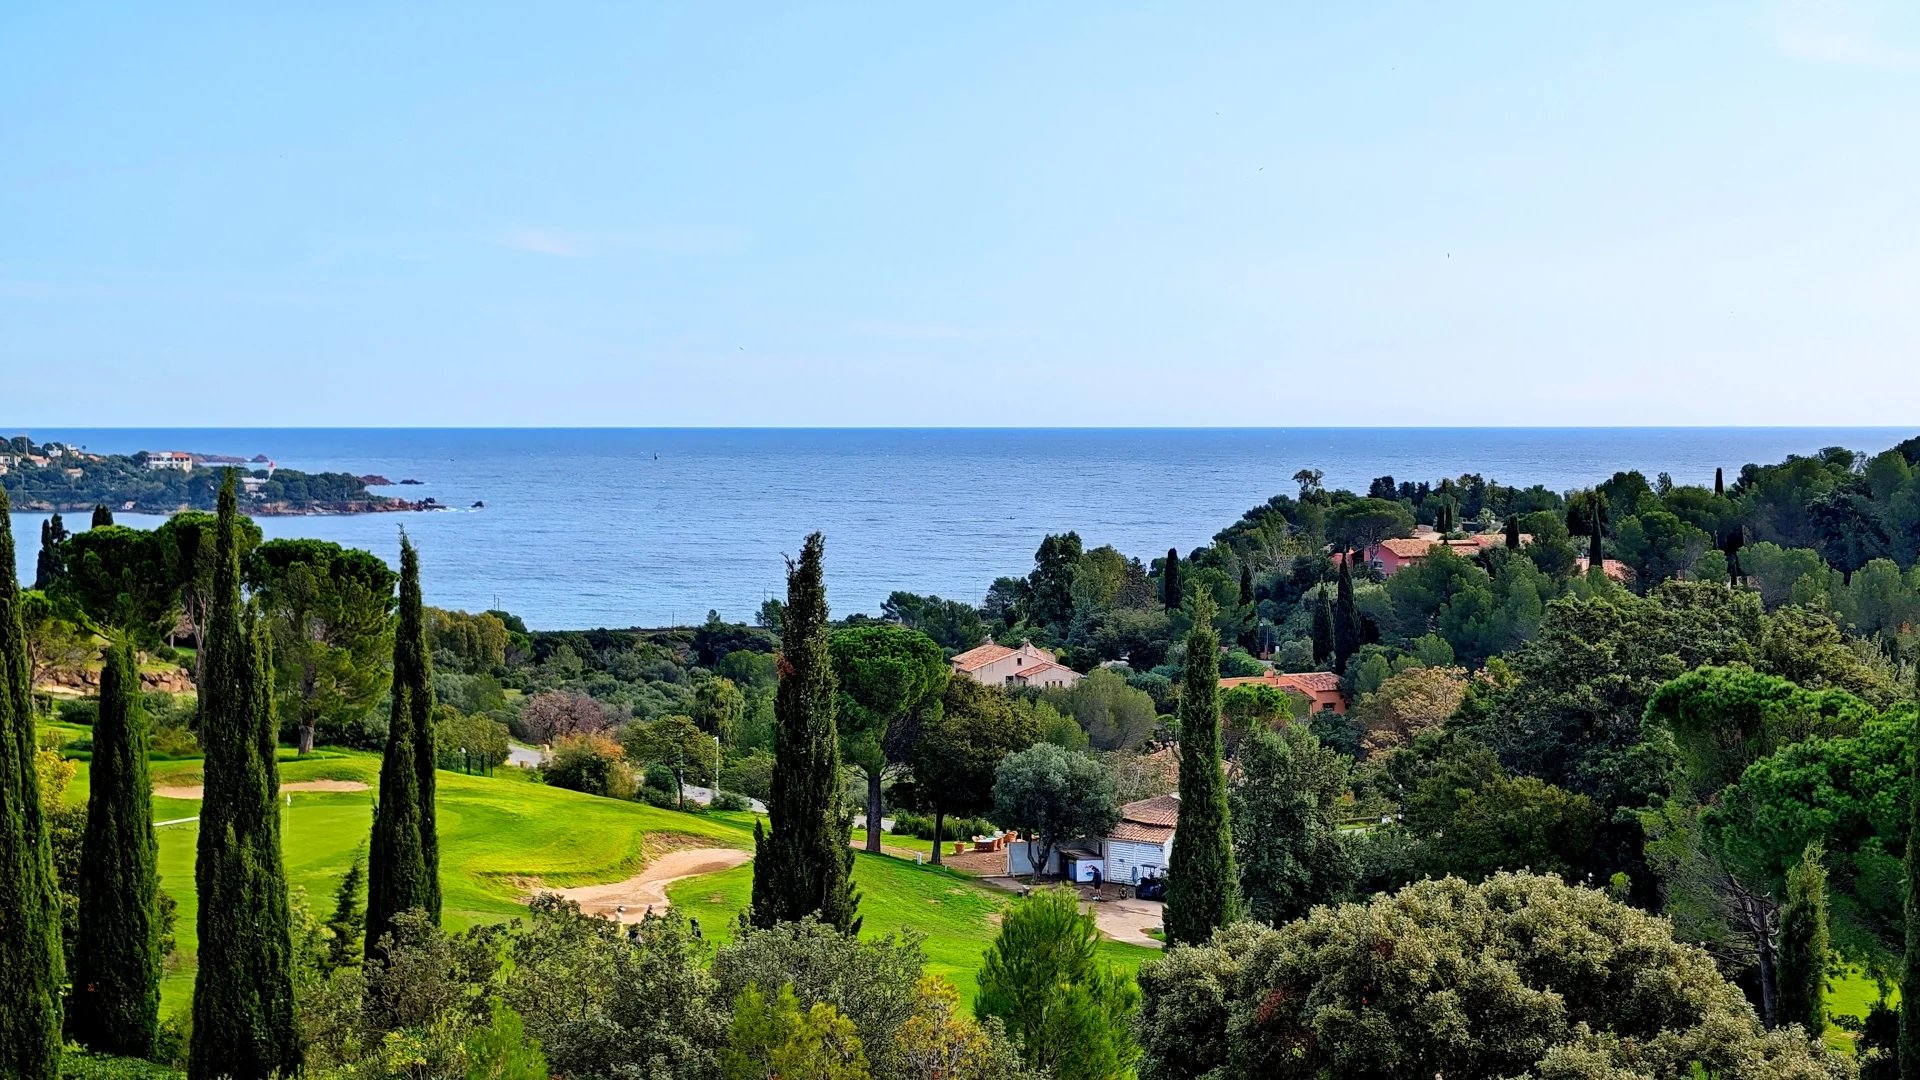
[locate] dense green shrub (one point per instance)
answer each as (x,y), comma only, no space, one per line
(1520,975)
(603,1004)
(909,823)
(82,711)
(751,773)
(591,763)
(1069,1010)
(79,1064)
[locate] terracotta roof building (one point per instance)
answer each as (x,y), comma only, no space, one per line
(993,664)
(1322,688)
(1392,556)
(1615,569)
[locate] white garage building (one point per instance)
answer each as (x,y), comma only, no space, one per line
(1139,846)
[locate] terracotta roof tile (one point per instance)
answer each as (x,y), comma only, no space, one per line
(1615,569)
(1145,834)
(1407,548)
(980,656)
(1312,681)
(1307,682)
(1159,810)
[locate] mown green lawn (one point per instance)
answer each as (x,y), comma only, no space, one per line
(1853,994)
(500,836)
(894,840)
(954,911)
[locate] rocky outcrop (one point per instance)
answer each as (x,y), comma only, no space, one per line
(85,682)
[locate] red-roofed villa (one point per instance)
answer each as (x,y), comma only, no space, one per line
(1028,665)
(1320,687)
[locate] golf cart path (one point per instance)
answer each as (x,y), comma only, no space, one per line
(194,791)
(648,888)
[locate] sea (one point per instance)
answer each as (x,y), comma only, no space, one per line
(584,528)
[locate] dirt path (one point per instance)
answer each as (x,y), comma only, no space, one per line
(1128,920)
(648,888)
(194,791)
(1125,919)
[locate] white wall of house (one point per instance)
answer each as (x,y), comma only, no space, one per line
(1020,861)
(1053,676)
(1130,860)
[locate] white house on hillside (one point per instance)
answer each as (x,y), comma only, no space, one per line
(1140,846)
(1028,665)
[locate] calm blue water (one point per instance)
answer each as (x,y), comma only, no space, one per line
(589,528)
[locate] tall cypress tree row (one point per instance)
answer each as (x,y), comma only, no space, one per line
(804,866)
(1203,888)
(1803,946)
(1170,584)
(1348,631)
(31,963)
(418,656)
(1323,628)
(115,1003)
(402,859)
(101,516)
(48,566)
(243,1025)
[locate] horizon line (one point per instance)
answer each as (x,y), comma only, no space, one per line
(965,427)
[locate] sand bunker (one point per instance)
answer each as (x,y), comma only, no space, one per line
(194,791)
(648,888)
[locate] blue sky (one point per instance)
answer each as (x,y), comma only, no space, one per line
(959,214)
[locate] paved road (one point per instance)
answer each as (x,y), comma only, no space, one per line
(696,793)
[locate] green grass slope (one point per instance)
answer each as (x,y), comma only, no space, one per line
(955,912)
(500,837)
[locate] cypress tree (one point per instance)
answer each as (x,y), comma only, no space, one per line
(1513,534)
(1719,482)
(101,516)
(805,866)
(1171,588)
(1803,946)
(1323,628)
(1596,559)
(31,964)
(49,567)
(1348,631)
(348,923)
(243,1026)
(1203,888)
(1910,967)
(400,876)
(1249,614)
(115,1004)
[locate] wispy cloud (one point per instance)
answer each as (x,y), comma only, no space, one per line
(1850,32)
